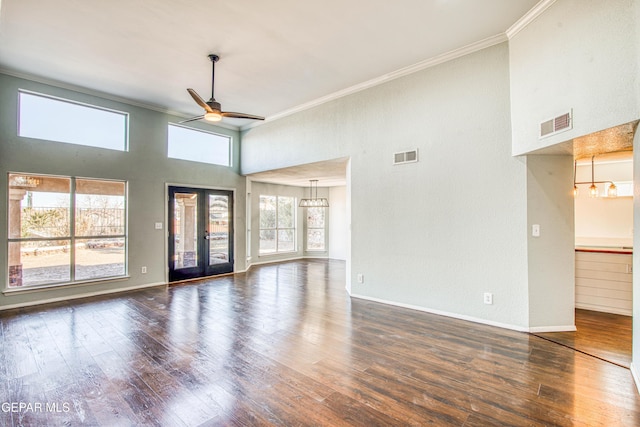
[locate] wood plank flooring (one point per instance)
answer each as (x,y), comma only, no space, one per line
(284,345)
(604,335)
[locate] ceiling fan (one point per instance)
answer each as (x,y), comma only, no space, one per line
(212,108)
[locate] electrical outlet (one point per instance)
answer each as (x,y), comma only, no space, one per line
(488,298)
(535,230)
(360,278)
(144,270)
(158,225)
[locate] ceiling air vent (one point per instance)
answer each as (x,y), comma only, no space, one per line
(405,157)
(558,124)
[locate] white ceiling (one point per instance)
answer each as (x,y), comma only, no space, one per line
(275,56)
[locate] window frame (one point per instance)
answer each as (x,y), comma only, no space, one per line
(73,237)
(277,228)
(125,115)
(193,129)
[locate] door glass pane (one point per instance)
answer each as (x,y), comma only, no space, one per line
(185,230)
(218,229)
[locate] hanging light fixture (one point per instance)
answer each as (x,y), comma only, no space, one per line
(575,187)
(612,190)
(313,201)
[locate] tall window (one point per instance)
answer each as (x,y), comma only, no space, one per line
(315,229)
(198,146)
(65,230)
(61,120)
(277,224)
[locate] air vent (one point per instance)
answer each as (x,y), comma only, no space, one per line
(405,157)
(556,125)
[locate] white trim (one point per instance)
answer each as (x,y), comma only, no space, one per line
(275,261)
(529,17)
(444,313)
(612,310)
(103,95)
(636,378)
(431,62)
(79,296)
(542,329)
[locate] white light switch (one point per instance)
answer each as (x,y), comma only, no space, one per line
(535,230)
(158,226)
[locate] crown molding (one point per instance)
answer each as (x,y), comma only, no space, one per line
(529,17)
(103,95)
(431,62)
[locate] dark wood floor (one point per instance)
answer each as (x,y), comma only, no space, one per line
(604,335)
(284,345)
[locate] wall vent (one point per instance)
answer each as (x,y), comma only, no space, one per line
(405,157)
(556,125)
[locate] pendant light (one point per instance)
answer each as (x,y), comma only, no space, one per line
(313,201)
(593,190)
(612,190)
(575,187)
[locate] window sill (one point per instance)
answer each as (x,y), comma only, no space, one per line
(276,253)
(30,289)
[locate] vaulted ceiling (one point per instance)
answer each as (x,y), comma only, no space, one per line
(276,56)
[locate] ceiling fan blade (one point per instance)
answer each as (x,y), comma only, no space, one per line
(199,100)
(193,119)
(233,115)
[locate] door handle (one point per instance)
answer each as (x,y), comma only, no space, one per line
(206,235)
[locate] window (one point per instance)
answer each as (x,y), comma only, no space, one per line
(277,224)
(315,229)
(65,230)
(61,120)
(198,146)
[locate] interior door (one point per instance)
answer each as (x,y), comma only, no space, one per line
(200,232)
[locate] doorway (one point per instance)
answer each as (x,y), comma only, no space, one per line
(200,232)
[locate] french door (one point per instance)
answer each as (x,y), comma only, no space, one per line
(200,232)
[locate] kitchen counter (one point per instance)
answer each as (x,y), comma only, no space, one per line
(606,249)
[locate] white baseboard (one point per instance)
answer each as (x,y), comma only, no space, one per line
(445,313)
(636,379)
(79,296)
(542,329)
(611,310)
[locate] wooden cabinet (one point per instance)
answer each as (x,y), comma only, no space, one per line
(604,281)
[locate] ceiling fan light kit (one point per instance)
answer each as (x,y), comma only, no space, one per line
(212,108)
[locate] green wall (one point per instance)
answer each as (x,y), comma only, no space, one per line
(145,167)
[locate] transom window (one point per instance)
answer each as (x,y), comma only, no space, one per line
(277,224)
(65,229)
(198,146)
(55,119)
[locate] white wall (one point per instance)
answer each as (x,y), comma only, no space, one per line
(580,55)
(604,221)
(551,255)
(435,234)
(338,223)
(635,363)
